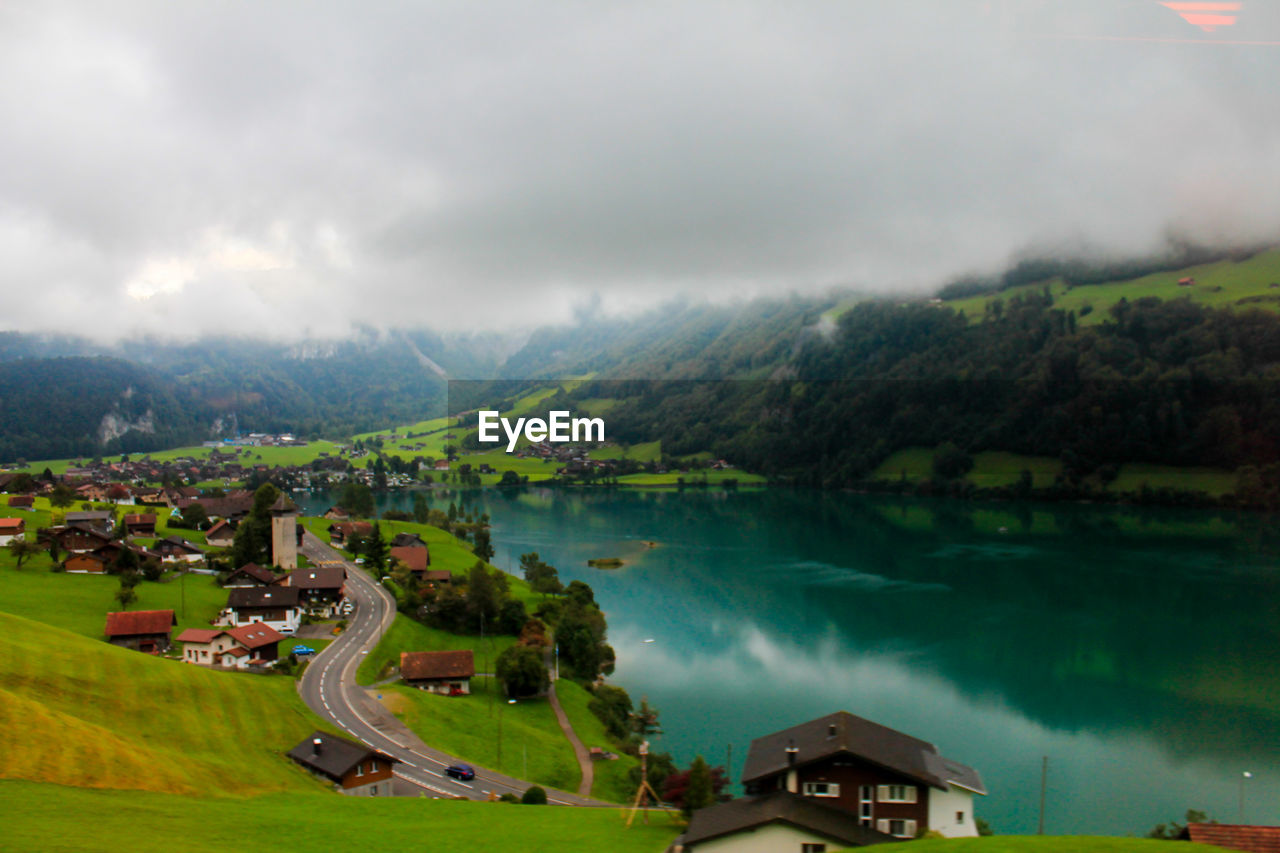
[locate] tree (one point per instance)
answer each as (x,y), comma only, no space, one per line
(644,722)
(125,596)
(675,786)
(1174,829)
(522,671)
(535,796)
(21,550)
(483,548)
(483,597)
(509,478)
(375,550)
(252,542)
(194,516)
(62,496)
(612,706)
(699,791)
(950,462)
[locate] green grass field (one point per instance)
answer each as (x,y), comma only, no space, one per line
(650,451)
(406,635)
(76,711)
(994,468)
(1227,283)
(671,479)
(611,780)
(51,818)
(1051,844)
(532,747)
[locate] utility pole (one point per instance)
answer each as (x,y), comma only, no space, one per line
(1243,776)
(1044,779)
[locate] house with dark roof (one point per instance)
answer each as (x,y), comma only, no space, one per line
(894,783)
(175,549)
(777,821)
(141,630)
(321,588)
(408,540)
(140,525)
(446,673)
(221,535)
(277,606)
(100,520)
(354,769)
(250,575)
(99,560)
(75,539)
(1251,839)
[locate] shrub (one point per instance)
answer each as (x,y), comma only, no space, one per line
(535,796)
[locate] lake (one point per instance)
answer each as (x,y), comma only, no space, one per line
(1136,649)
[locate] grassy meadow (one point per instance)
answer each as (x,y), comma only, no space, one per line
(78,711)
(1238,284)
(51,818)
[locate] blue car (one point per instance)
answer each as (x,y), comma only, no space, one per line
(303,650)
(465,772)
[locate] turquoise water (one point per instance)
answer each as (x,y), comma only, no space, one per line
(1137,650)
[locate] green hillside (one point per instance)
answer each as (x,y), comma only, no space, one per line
(80,712)
(1251,283)
(47,818)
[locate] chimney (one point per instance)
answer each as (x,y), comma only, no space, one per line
(793,776)
(316,743)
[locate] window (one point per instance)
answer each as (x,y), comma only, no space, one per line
(373,792)
(359,769)
(897,793)
(866,796)
(897,827)
(821,789)
(959,817)
(810,847)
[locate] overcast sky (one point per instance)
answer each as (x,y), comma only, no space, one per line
(292,168)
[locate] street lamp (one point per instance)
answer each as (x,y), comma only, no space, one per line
(1243,776)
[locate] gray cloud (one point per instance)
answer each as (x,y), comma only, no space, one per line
(290,169)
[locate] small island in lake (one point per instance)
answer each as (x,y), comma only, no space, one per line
(606,563)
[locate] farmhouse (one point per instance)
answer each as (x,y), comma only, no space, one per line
(446,673)
(175,549)
(243,647)
(77,539)
(251,574)
(140,525)
(320,589)
(22,502)
(415,558)
(102,521)
(343,532)
(354,769)
(221,535)
(141,630)
(277,606)
(777,821)
(894,783)
(11,529)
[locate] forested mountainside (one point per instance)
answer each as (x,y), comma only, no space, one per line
(1171,382)
(56,406)
(60,407)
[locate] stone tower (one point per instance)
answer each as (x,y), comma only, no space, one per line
(284,537)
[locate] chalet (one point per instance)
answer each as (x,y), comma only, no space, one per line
(142,630)
(894,783)
(354,769)
(277,606)
(102,521)
(336,513)
(221,535)
(100,559)
(320,589)
(447,673)
(345,531)
(437,577)
(140,525)
(777,821)
(11,529)
(251,575)
(415,558)
(175,549)
(242,647)
(22,502)
(407,540)
(75,539)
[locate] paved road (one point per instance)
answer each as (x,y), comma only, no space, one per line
(329,688)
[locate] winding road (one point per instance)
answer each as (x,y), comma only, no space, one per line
(329,687)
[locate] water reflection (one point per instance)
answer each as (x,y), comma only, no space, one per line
(1137,649)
